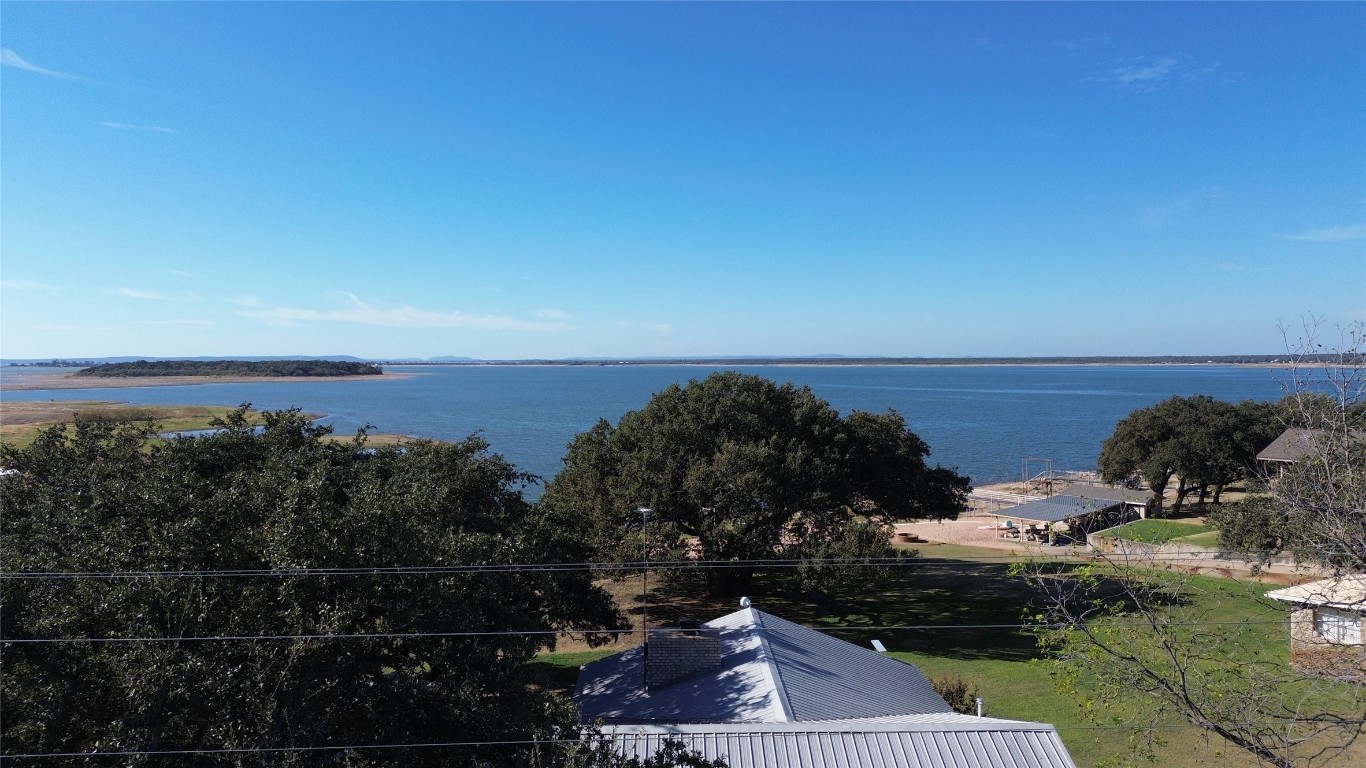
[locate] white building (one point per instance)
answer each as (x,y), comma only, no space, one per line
(1326,636)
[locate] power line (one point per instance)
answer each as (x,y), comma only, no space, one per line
(657,565)
(536,632)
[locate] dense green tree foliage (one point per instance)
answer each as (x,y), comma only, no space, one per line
(1205,443)
(265,528)
(300,368)
(749,470)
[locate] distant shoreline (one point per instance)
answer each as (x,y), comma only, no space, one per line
(850,363)
(68,381)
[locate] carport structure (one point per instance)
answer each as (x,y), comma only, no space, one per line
(1034,520)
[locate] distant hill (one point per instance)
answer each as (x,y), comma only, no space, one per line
(299,368)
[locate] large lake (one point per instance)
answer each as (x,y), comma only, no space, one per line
(984,420)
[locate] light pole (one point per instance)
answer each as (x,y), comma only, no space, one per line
(644,596)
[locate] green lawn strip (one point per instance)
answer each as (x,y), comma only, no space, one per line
(1208,539)
(1158,531)
(962,617)
(559,671)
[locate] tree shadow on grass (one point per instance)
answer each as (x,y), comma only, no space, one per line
(955,609)
(950,608)
(958,609)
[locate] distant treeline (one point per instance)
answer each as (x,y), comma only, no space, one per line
(835,360)
(54,364)
(231,368)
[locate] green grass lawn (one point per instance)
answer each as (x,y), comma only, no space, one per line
(953,615)
(1208,539)
(1158,531)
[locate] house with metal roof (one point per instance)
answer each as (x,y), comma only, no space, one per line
(758,690)
(1326,632)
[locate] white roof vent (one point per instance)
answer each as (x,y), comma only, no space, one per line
(744,602)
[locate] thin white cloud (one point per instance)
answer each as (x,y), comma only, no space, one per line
(181,273)
(401,316)
(1346,234)
(176,322)
(1153,73)
(9,58)
(246,300)
(1158,70)
(129,127)
(143,295)
(553,314)
(26,285)
(1141,73)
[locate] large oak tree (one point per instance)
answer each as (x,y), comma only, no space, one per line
(1205,443)
(281,535)
(737,468)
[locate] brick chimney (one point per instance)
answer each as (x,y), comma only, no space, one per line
(672,655)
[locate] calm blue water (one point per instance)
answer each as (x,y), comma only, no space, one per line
(981,419)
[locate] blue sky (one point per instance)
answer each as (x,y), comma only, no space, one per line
(558,180)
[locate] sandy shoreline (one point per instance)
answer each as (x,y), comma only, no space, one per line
(67,381)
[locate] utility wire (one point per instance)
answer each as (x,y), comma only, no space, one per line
(1060,558)
(536,632)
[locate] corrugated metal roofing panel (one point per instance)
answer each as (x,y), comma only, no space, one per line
(826,678)
(1055,509)
(772,670)
(762,746)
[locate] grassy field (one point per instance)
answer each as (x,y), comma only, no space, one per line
(957,613)
(20,421)
(1209,538)
(1159,531)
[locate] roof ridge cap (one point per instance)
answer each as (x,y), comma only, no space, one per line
(770,664)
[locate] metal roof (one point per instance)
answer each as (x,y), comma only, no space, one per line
(1342,592)
(971,743)
(1111,492)
(1055,509)
(772,671)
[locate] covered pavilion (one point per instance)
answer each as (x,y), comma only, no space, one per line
(1036,520)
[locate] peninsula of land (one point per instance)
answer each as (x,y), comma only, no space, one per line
(311,369)
(170,373)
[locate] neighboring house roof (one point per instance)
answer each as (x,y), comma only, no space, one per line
(1292,445)
(968,741)
(1106,492)
(771,671)
(1055,509)
(1340,592)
